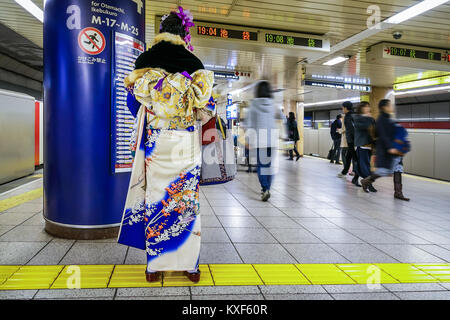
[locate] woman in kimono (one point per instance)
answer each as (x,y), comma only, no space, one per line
(161,213)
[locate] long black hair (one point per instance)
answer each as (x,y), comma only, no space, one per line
(173,24)
(291,116)
(264,90)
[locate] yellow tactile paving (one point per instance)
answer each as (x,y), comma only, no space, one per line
(130,276)
(19,199)
(406,273)
(133,276)
(272,274)
(84,276)
(324,274)
(438,271)
(178,279)
(364,273)
(32,277)
(234,274)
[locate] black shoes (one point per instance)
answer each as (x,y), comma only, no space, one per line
(298,157)
(372,189)
(355,181)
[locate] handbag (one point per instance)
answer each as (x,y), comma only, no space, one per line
(330,153)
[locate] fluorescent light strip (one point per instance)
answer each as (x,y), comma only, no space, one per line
(354,99)
(421,90)
(415,10)
(32,8)
(334,61)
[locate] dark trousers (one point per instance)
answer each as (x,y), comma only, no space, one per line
(264,158)
(291,152)
(349,157)
(336,151)
(363,161)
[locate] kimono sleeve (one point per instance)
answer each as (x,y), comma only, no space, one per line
(200,89)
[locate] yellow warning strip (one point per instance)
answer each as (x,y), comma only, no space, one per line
(132,276)
(19,199)
(37,175)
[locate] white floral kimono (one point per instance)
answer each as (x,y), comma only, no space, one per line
(162,210)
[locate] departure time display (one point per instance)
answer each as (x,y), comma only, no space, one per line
(227,33)
(293,41)
(413,53)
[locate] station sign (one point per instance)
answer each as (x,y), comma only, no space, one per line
(338,85)
(293,41)
(227,33)
(409,56)
(225,75)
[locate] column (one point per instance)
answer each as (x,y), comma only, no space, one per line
(84,193)
(377,94)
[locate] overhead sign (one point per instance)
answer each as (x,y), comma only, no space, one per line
(293,41)
(227,33)
(409,56)
(422,83)
(337,85)
(225,75)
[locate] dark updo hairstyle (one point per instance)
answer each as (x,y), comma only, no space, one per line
(263,90)
(173,24)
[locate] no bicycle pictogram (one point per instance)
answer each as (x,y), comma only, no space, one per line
(91,41)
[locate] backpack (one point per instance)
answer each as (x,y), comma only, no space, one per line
(401,142)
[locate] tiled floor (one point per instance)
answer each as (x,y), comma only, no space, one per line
(312,217)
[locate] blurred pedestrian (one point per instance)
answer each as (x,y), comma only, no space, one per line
(293,135)
(263,133)
(336,136)
(385,151)
(364,139)
(347,108)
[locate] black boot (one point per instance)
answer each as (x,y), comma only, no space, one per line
(355,181)
(398,187)
(372,189)
(368,181)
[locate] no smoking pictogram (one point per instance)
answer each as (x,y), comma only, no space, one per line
(91,41)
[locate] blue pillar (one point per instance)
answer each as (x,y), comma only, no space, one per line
(84,194)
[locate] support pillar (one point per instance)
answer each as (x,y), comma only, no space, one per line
(377,94)
(84,194)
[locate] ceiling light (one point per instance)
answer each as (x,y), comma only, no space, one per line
(354,99)
(32,8)
(422,90)
(415,10)
(334,61)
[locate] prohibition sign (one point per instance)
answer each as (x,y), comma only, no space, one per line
(91,41)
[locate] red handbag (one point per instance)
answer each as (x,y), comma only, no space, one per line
(209,132)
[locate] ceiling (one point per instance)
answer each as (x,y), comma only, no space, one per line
(335,19)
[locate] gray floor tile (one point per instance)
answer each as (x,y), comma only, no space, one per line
(407,253)
(229,297)
(19,252)
(239,222)
(300,212)
(352,288)
(210,221)
(231,211)
(52,253)
(350,223)
(300,296)
(250,235)
(95,253)
(315,253)
(375,236)
(17,294)
(278,222)
(75,293)
(266,212)
(362,253)
(286,235)
(263,253)
(224,203)
(435,250)
(320,223)
(424,295)
(292,289)
(394,287)
(136,256)
(154,298)
(27,233)
(152,292)
(27,208)
(14,218)
(219,253)
(225,290)
(335,236)
(214,235)
(4,229)
(365,296)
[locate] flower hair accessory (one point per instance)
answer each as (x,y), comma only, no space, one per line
(187,20)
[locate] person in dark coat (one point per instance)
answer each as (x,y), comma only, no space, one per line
(364,139)
(336,137)
(347,108)
(293,135)
(385,153)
